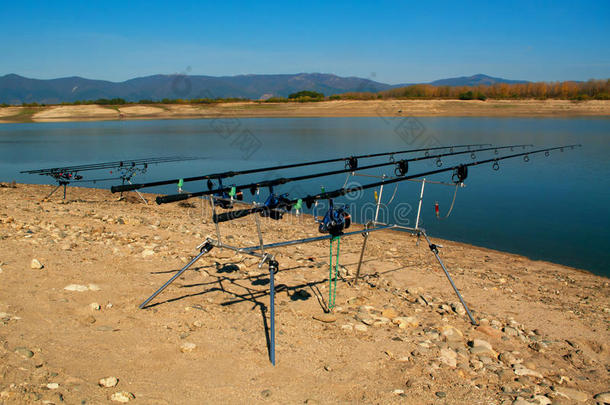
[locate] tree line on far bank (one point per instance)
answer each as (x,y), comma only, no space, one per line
(589,90)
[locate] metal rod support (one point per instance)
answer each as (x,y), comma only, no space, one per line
(204,249)
(434,250)
(273,267)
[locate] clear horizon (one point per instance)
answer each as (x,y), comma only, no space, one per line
(387,42)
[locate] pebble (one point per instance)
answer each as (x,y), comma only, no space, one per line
(347,327)
(361,328)
(108,382)
(404,322)
(508,358)
(36,265)
(440,394)
(148,253)
(325,317)
(572,394)
(602,397)
(25,352)
(122,396)
(76,287)
(389,313)
(451,333)
(95,306)
(458,308)
(266,393)
(542,400)
(448,357)
(52,386)
(398,392)
(187,347)
(510,331)
(94,287)
(489,331)
(524,371)
(480,343)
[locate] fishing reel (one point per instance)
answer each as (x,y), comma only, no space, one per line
(402,167)
(335,220)
(351,163)
(275,206)
(460,174)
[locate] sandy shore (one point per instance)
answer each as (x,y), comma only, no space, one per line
(381,108)
(399,336)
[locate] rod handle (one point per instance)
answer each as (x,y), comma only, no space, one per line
(124,187)
(231,215)
(164,199)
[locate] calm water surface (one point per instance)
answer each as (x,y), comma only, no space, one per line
(551,208)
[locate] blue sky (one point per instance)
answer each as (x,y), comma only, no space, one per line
(388,41)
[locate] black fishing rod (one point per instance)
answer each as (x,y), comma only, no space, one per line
(460,172)
(402,167)
(351,162)
(109,165)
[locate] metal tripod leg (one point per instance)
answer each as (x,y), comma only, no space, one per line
(141,196)
(273,266)
(53,191)
(204,249)
(366,237)
(434,250)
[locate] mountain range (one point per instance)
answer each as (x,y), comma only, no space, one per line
(15,89)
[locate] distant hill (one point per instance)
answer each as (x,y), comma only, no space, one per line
(476,80)
(15,89)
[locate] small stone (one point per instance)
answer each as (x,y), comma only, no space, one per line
(398,392)
(524,371)
(507,358)
(187,347)
(572,394)
(542,400)
(480,343)
(266,393)
(76,287)
(451,333)
(602,397)
(458,308)
(94,287)
(148,253)
(347,327)
(94,306)
(440,394)
(325,317)
(448,357)
(52,386)
(36,265)
(510,331)
(122,396)
(404,322)
(389,313)
(489,331)
(361,328)
(108,382)
(25,352)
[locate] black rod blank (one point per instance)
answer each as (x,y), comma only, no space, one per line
(131,187)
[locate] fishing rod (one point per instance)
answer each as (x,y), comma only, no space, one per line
(109,165)
(124,169)
(350,162)
(460,173)
(402,167)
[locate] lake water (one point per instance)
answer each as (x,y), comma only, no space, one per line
(551,208)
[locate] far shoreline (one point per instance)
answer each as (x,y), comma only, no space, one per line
(338,108)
